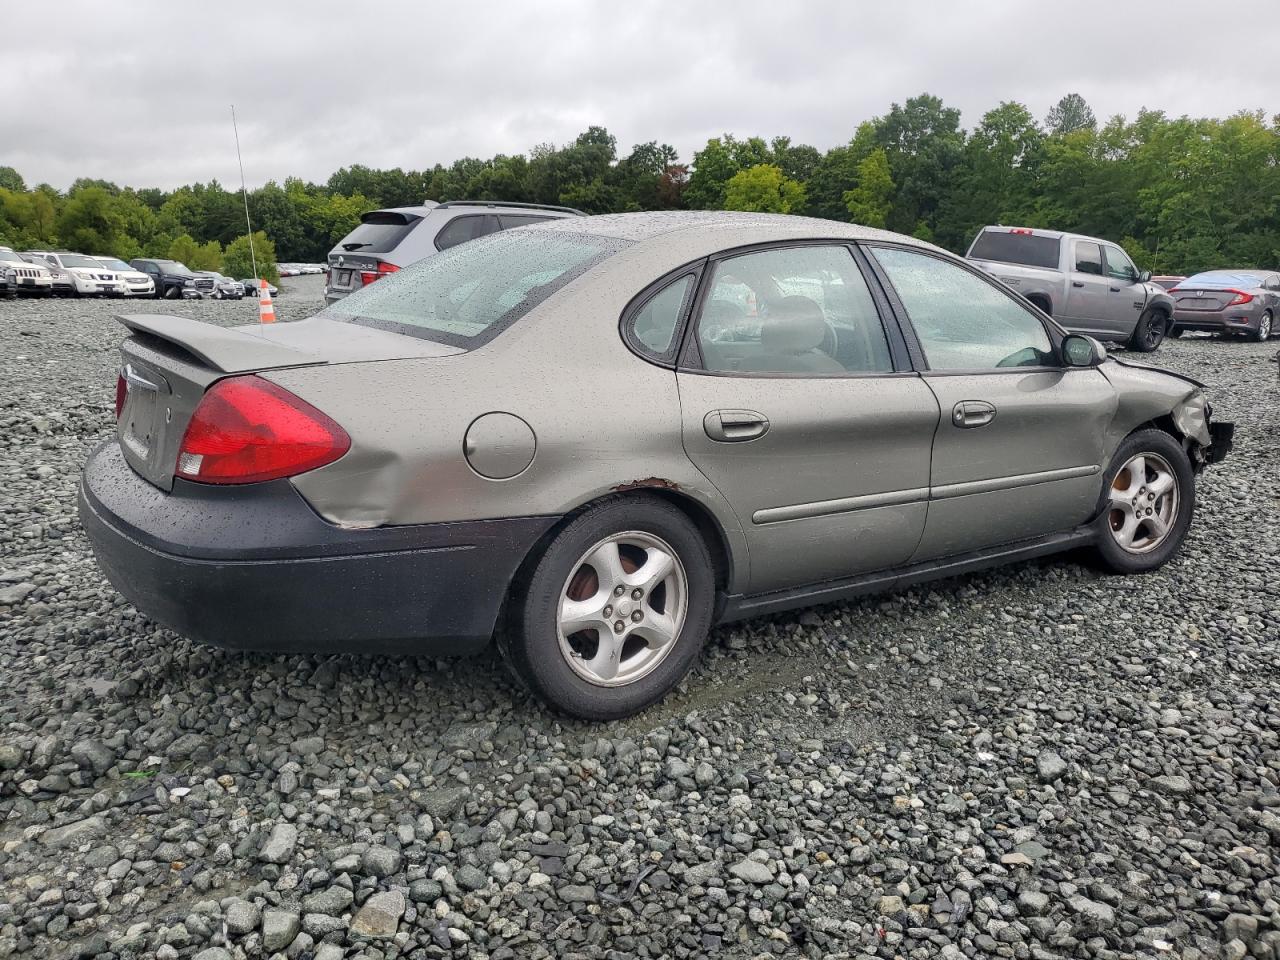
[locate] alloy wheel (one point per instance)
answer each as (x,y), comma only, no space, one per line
(1143,504)
(622,608)
(1264,327)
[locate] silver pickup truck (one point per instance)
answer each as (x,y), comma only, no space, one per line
(1088,285)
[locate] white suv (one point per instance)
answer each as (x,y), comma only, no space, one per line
(29,278)
(389,240)
(136,283)
(88,277)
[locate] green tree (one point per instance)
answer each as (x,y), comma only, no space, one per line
(871,200)
(239,264)
(197,256)
(1070,114)
(11,180)
(763,188)
(924,144)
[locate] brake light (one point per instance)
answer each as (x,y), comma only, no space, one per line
(1241,297)
(1021,230)
(122,391)
(368,276)
(246,429)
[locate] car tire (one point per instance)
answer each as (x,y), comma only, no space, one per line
(1133,510)
(172,293)
(572,673)
(1266,327)
(1149,333)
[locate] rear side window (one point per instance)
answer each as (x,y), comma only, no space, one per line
(461,229)
(469,294)
(1006,246)
(1088,258)
(380,231)
(652,328)
(509,220)
(964,322)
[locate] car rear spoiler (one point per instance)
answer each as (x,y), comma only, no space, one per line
(227,349)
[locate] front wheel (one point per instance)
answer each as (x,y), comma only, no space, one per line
(614,612)
(1147,502)
(1265,325)
(171,293)
(1149,333)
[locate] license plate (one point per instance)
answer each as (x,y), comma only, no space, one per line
(342,278)
(27,281)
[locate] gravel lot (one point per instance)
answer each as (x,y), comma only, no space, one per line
(1038,762)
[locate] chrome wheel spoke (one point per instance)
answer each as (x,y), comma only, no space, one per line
(579,615)
(657,567)
(658,630)
(1156,526)
(1124,536)
(606,561)
(608,656)
(1162,484)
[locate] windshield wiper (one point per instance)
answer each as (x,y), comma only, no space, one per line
(353,246)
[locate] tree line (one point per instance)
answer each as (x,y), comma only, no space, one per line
(1180,194)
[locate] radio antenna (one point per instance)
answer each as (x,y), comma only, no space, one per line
(244,193)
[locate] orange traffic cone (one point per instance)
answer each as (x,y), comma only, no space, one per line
(266,309)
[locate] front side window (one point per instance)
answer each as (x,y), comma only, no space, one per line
(799,311)
(461,229)
(1088,258)
(963,321)
(468,294)
(1119,266)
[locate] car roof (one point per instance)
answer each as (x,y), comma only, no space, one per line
(721,229)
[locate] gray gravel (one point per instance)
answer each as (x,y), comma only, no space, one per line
(1037,762)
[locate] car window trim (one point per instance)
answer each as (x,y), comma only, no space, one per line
(1055,333)
(451,221)
(690,358)
(626,322)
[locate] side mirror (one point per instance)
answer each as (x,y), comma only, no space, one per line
(1144,276)
(1081,351)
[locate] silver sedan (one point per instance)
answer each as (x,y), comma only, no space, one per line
(595,438)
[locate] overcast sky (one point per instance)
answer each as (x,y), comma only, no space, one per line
(139,93)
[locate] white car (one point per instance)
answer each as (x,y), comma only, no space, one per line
(136,283)
(31,279)
(88,277)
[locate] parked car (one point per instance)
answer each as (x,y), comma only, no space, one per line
(389,240)
(60,282)
(88,278)
(7,289)
(173,279)
(580,427)
(1088,285)
(252,286)
(1229,302)
(23,276)
(224,288)
(136,283)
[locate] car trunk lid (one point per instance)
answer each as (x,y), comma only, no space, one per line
(169,362)
(1203,298)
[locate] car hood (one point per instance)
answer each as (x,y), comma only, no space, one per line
(272,346)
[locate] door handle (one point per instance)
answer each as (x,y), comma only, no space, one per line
(735,426)
(1077,283)
(972,413)
(1116,289)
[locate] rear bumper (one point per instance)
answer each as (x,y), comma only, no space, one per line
(254,568)
(1216,321)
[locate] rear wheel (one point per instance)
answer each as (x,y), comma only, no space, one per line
(614,612)
(1147,503)
(1265,326)
(1149,333)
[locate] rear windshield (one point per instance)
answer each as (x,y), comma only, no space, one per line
(468,294)
(1223,278)
(379,232)
(1008,247)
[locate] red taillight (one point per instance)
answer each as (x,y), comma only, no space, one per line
(1021,230)
(246,429)
(122,391)
(368,276)
(1240,297)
